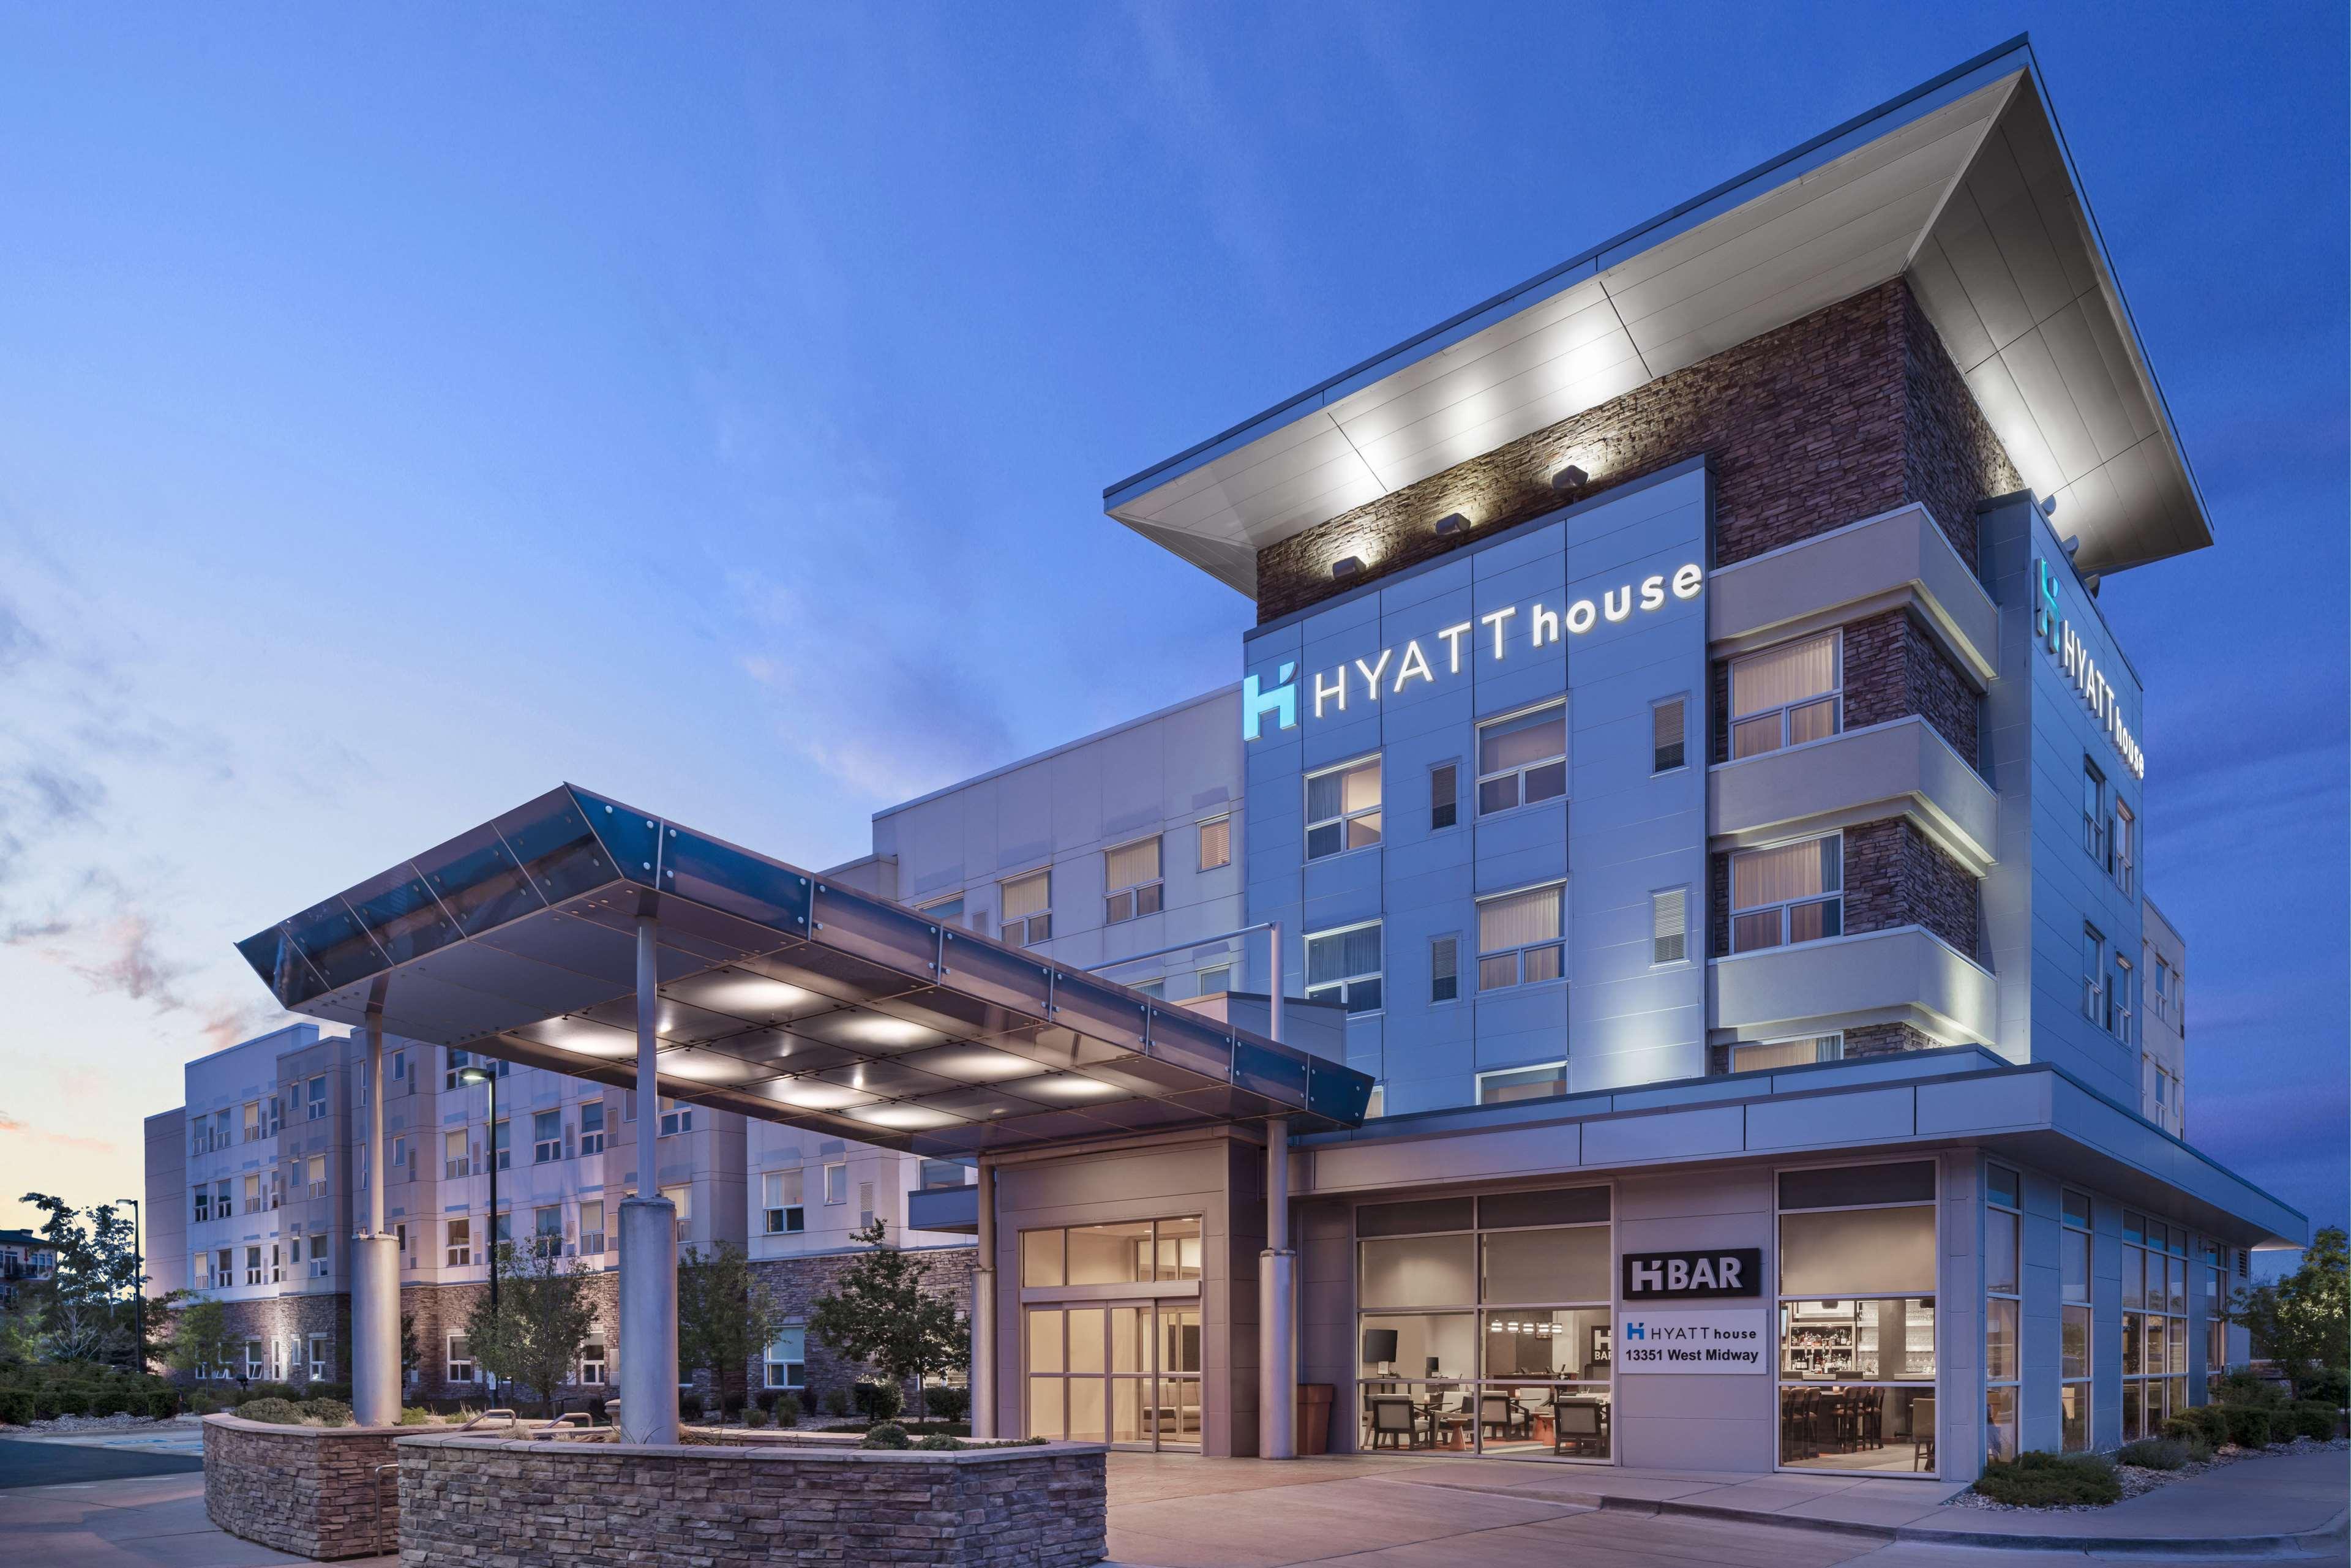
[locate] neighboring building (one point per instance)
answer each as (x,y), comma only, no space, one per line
(1684,757)
(24,1259)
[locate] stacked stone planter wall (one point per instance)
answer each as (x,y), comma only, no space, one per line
(310,1490)
(483,1501)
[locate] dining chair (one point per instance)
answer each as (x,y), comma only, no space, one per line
(1397,1423)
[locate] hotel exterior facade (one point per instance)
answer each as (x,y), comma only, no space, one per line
(1683,769)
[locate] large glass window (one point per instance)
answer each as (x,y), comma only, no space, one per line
(1342,809)
(1114,1371)
(1027,908)
(1801,1051)
(2004,1307)
(1857,1308)
(2155,1323)
(1128,1252)
(2214,1259)
(1343,967)
(2073,1387)
(1131,873)
(1787,696)
(1518,938)
(1793,893)
(1542,1082)
(1486,1325)
(1523,760)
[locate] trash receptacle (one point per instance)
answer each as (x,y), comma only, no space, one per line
(1314,1403)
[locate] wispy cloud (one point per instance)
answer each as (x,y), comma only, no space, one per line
(16,1127)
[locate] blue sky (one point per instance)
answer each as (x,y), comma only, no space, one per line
(403,410)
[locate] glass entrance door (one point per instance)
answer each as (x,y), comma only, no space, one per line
(1126,1372)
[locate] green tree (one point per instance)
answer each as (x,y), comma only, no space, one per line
(880,1311)
(727,1316)
(85,1311)
(543,1317)
(2302,1321)
(201,1339)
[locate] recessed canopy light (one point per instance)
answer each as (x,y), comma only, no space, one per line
(1347,566)
(1064,1086)
(1453,523)
(1569,478)
(811,1096)
(902,1116)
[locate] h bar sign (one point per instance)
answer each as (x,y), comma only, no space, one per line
(1693,1276)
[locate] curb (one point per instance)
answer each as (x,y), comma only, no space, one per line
(2332,1533)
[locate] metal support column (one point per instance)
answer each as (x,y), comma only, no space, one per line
(648,1339)
(983,1311)
(1277,1309)
(375,1266)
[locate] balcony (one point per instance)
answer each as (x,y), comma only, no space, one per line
(1907,974)
(1902,768)
(1896,560)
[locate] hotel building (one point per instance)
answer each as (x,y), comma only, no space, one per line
(1695,800)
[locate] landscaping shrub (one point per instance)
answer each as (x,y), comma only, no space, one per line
(689,1408)
(732,1405)
(410,1415)
(2305,1418)
(206,1402)
(2331,1386)
(888,1435)
(163,1403)
(787,1410)
(2203,1423)
(342,1391)
(333,1412)
(61,1402)
(2042,1479)
(285,1390)
(2242,1386)
(2153,1454)
(112,1402)
(949,1402)
(2249,1424)
(836,1402)
(879,1401)
(766,1400)
(276,1412)
(939,1443)
(16,1406)
(754,1417)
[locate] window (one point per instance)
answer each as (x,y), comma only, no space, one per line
(225,1268)
(253,1265)
(2073,1321)
(836,1184)
(937,1173)
(1787,696)
(200,1136)
(946,911)
(1343,967)
(204,1201)
(1522,1083)
(2118,1000)
(2093,812)
(2215,1260)
(787,1359)
(1518,938)
(1857,1294)
(253,1195)
(253,1121)
(276,1264)
(2155,1325)
(2093,975)
(277,1114)
(501,1145)
(1342,809)
(220,1130)
(1131,873)
(1216,843)
(1444,968)
(1667,723)
(318,1097)
(501,1227)
(1801,1051)
(2004,1307)
(1377,1106)
(253,1358)
(461,1360)
(547,1231)
(294,1247)
(2160,1001)
(460,1243)
(1523,760)
(322,1358)
(316,1170)
(449,1078)
(1216,980)
(458,1058)
(681,1196)
(864,1204)
(545,1136)
(399,1243)
(1669,925)
(1443,796)
(401,1162)
(454,1160)
(779,1196)
(675,1117)
(1124,1252)
(595,1361)
(592,1228)
(399,1065)
(221,1205)
(366,1165)
(591,1127)
(1791,894)
(319,1266)
(1028,908)
(2123,850)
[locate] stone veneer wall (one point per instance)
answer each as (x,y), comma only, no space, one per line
(296,1316)
(799,1281)
(501,1504)
(1893,667)
(310,1490)
(1893,875)
(1885,1039)
(1852,411)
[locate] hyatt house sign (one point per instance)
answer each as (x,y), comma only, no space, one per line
(1451,648)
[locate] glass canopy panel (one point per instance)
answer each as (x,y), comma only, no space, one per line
(724,877)
(630,838)
(884,933)
(1270,1070)
(1339,1092)
(978,969)
(478,880)
(406,921)
(550,838)
(280,964)
(1096,1008)
(1187,1039)
(331,937)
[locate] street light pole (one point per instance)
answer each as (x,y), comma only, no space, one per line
(474,1074)
(137,1291)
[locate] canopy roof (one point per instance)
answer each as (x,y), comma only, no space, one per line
(1963,185)
(783,995)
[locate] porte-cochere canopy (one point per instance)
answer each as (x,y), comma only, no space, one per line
(783,995)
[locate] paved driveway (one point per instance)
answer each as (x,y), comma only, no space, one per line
(53,1463)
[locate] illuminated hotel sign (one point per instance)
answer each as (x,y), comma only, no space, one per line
(2056,633)
(1451,648)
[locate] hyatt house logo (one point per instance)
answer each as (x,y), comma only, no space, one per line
(2056,633)
(1451,648)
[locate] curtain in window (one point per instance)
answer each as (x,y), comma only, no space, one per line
(1519,920)
(1132,864)
(1216,843)
(1342,955)
(1028,896)
(1784,675)
(782,1189)
(1356,789)
(1792,871)
(1514,743)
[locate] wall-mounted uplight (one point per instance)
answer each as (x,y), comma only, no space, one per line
(1569,478)
(1452,523)
(1347,566)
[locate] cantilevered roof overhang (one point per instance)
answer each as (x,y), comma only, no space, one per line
(783,995)
(1962,185)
